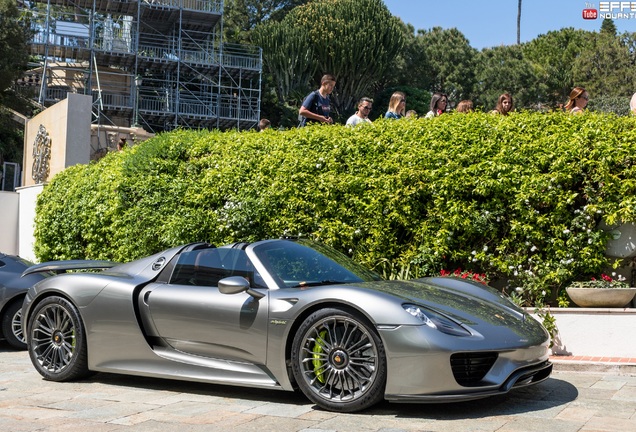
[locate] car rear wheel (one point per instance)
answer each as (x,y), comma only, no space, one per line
(57,340)
(12,326)
(338,361)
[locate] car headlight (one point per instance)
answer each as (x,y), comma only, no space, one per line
(436,320)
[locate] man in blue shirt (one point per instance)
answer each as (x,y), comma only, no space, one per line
(316,106)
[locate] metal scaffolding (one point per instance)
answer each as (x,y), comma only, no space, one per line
(158,64)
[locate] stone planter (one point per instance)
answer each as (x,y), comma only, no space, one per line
(601,297)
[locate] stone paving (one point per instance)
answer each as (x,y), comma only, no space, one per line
(573,399)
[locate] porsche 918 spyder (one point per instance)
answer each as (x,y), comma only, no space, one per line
(284,314)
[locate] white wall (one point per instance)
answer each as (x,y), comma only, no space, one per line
(9,204)
(28,196)
(595,332)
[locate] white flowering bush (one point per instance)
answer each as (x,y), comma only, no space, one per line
(516,198)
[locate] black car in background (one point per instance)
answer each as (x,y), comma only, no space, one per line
(13,288)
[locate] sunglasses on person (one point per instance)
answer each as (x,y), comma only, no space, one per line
(365,107)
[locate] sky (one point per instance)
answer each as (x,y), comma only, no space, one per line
(489,23)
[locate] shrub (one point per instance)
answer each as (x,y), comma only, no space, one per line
(517,198)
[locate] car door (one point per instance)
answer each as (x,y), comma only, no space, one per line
(191,315)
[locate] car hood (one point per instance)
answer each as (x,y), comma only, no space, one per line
(469,303)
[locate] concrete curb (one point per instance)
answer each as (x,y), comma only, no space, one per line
(594,367)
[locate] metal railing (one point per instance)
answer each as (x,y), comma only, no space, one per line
(214,6)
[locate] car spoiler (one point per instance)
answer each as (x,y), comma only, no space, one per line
(64,266)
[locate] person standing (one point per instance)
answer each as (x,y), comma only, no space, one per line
(316,106)
(362,115)
(438,105)
(264,124)
(504,105)
(397,106)
(577,100)
(632,104)
(465,106)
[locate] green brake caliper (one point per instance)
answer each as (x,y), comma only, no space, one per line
(317,350)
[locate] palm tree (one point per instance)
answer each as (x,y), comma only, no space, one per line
(519,23)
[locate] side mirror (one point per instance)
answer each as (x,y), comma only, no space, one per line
(237,284)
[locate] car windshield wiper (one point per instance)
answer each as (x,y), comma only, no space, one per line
(319,283)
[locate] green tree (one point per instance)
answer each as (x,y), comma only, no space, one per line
(411,66)
(11,138)
(608,27)
(288,56)
(14,37)
(504,69)
(241,16)
(356,40)
(448,62)
(606,67)
(552,55)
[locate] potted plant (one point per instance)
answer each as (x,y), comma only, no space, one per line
(608,291)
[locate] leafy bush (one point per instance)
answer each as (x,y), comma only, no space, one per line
(517,198)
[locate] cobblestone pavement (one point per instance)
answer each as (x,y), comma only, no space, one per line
(594,399)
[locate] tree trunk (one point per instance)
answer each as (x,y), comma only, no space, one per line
(519,23)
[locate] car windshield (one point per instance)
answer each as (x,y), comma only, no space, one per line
(303,263)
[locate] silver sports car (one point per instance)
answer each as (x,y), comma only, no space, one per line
(284,314)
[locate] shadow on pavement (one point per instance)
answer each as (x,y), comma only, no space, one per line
(547,395)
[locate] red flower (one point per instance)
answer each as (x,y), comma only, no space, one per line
(465,274)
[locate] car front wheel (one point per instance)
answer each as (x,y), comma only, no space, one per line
(338,361)
(12,326)
(57,341)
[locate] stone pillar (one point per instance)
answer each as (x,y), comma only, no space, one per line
(58,137)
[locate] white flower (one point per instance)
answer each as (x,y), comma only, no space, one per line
(485,248)
(543,293)
(473,253)
(566,231)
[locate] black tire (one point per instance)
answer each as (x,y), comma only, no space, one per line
(12,325)
(338,361)
(57,341)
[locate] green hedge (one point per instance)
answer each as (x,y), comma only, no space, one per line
(516,197)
